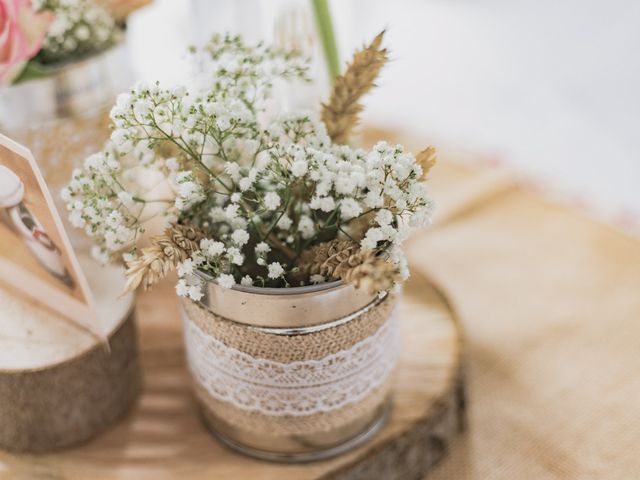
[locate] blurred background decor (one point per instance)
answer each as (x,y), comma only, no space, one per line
(59,383)
(66,62)
(545,90)
(535,108)
(304,26)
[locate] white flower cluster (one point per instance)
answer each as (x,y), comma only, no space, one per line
(79,27)
(245,73)
(345,187)
(263,190)
(99,204)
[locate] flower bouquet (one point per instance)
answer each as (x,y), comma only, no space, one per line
(62,63)
(42,33)
(285,239)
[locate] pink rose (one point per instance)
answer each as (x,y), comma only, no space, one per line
(21,33)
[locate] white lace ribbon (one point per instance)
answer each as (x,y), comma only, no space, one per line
(297,388)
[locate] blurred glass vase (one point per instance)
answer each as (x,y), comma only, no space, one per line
(301,26)
(63,116)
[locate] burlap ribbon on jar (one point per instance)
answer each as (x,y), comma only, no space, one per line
(312,381)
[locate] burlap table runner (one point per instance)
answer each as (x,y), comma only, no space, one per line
(550,302)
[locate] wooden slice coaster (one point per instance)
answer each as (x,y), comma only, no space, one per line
(60,384)
(165,439)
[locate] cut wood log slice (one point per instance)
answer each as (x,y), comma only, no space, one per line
(59,383)
(165,438)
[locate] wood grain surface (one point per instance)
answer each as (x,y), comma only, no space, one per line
(164,438)
(59,383)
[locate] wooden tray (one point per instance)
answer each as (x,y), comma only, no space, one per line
(163,437)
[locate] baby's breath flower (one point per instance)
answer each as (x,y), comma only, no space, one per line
(326,204)
(285,222)
(234,255)
(306,227)
(190,191)
(272,200)
(233,170)
(299,168)
(371,239)
(275,270)
(231,212)
(244,184)
(195,292)
(384,217)
(226,280)
(350,208)
(211,248)
(240,237)
(182,289)
(262,248)
(185,268)
(79,28)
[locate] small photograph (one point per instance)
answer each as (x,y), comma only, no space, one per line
(35,255)
(28,230)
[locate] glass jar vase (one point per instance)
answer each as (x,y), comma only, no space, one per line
(292,374)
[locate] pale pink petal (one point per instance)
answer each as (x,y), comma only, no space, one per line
(22,31)
(35,25)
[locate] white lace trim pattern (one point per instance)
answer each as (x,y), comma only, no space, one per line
(297,388)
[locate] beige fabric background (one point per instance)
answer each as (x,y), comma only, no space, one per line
(550,303)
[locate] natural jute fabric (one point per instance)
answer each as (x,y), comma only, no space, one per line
(550,303)
(287,349)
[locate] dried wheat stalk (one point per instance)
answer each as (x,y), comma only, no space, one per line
(426,159)
(344,259)
(166,251)
(340,115)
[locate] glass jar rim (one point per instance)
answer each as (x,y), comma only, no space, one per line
(320,287)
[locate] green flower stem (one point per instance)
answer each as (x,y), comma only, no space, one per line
(327,36)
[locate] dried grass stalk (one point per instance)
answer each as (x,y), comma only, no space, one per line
(426,159)
(344,259)
(340,115)
(166,251)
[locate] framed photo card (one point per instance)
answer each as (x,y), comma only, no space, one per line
(36,257)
